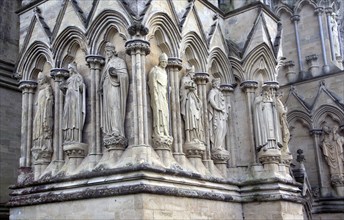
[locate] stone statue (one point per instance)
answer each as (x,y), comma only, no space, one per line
(43,121)
(217,116)
(74,111)
(335,35)
(266,121)
(282,113)
(158,86)
(191,109)
(114,86)
(332,146)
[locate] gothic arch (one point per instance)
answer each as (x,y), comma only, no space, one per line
(284,8)
(195,51)
(168,35)
(300,116)
(218,57)
(264,58)
(299,5)
(34,56)
(328,110)
(238,72)
(106,20)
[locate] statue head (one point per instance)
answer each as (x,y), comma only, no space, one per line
(42,78)
(163,60)
(190,70)
(110,49)
(216,82)
(72,67)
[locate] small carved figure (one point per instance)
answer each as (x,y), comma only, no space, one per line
(335,35)
(158,86)
(191,108)
(74,111)
(266,121)
(114,86)
(217,116)
(282,113)
(332,146)
(43,120)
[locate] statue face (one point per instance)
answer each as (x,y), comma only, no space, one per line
(41,80)
(108,53)
(163,63)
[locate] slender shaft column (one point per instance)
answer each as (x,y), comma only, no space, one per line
(95,63)
(319,11)
(249,88)
(227,89)
(295,19)
(27,88)
(316,133)
(59,75)
(201,79)
(329,11)
(138,48)
(173,68)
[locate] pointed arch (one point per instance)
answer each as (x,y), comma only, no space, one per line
(218,57)
(301,116)
(195,51)
(63,43)
(328,110)
(237,69)
(284,8)
(299,5)
(266,59)
(107,19)
(167,33)
(37,53)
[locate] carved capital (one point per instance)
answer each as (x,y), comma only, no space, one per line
(41,156)
(138,29)
(319,10)
(249,84)
(270,156)
(289,64)
(59,74)
(95,61)
(295,18)
(201,78)
(194,149)
(316,131)
(162,142)
(271,84)
(174,62)
(137,46)
(227,88)
(75,150)
(311,58)
(328,10)
(220,156)
(27,86)
(113,142)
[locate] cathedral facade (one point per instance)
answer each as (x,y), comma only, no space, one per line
(188,109)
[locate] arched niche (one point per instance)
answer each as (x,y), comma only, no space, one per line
(114,36)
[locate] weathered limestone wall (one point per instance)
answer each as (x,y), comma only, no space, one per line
(139,206)
(10,101)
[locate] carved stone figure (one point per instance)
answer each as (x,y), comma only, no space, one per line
(282,113)
(158,87)
(191,109)
(43,121)
(217,116)
(335,34)
(114,86)
(332,146)
(74,111)
(266,121)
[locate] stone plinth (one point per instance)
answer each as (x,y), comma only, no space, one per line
(75,152)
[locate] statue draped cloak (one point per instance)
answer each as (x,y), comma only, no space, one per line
(43,121)
(114,97)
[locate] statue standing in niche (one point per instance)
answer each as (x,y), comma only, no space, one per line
(158,88)
(335,35)
(282,113)
(332,146)
(217,116)
(43,121)
(74,111)
(191,109)
(114,86)
(266,121)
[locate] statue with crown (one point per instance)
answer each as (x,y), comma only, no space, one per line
(158,88)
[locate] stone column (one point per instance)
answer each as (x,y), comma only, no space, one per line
(249,87)
(95,62)
(295,19)
(328,12)
(316,133)
(28,87)
(59,75)
(319,11)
